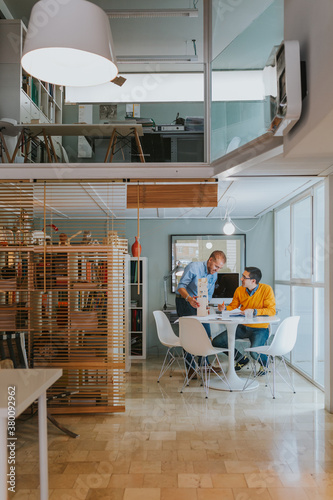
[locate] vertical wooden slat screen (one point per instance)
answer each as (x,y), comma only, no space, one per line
(75,288)
(16,224)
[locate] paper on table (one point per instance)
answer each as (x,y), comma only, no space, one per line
(207,318)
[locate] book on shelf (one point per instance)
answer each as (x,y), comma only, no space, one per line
(134,271)
(136,345)
(136,320)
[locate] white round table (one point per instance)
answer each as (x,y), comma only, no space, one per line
(231,322)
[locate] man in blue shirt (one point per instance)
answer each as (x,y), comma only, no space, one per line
(187,290)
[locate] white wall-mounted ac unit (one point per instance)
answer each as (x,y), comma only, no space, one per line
(289,88)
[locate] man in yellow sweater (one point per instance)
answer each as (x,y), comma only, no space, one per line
(260,299)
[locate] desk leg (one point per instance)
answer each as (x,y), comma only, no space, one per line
(113,148)
(17,146)
(27,149)
(43,456)
(138,143)
(4,145)
(236,383)
(47,147)
(110,146)
(53,150)
(3,458)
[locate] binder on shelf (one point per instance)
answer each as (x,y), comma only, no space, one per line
(134,271)
(134,319)
(139,321)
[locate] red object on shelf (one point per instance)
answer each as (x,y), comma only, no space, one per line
(136,248)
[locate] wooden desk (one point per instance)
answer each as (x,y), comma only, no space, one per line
(116,131)
(29,385)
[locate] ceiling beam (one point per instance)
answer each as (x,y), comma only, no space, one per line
(172,196)
(138,13)
(254,152)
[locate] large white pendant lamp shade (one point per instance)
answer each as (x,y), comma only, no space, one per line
(69,42)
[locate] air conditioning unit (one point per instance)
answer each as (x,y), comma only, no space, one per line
(289,88)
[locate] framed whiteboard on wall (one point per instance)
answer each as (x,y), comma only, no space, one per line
(188,248)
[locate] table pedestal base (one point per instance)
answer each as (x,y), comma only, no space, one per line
(235,382)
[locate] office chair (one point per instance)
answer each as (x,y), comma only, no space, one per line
(195,341)
(168,338)
(283,342)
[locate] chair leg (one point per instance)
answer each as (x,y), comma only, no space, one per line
(224,377)
(187,366)
(290,383)
(61,427)
(273,362)
(252,375)
(205,376)
(166,363)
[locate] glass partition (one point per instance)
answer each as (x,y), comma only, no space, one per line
(319,336)
(302,239)
(319,233)
(282,244)
(299,281)
(155,106)
(245,35)
(302,354)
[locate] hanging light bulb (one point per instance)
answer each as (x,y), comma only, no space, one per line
(228,227)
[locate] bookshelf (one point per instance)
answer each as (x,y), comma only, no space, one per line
(69,302)
(23,97)
(137,322)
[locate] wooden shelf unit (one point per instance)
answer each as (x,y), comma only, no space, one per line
(70,302)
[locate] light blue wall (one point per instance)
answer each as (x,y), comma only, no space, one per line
(156,246)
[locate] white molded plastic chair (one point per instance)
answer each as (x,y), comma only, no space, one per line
(168,338)
(194,340)
(282,343)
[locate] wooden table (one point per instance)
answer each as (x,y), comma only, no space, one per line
(116,131)
(29,385)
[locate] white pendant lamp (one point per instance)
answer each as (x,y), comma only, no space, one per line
(228,227)
(69,42)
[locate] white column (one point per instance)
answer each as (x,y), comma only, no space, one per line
(329,293)
(43,456)
(3,458)
(207,75)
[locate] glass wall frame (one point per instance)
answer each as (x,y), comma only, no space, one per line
(299,277)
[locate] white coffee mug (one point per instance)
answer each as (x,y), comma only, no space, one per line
(249,313)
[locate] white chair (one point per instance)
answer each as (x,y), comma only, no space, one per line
(168,338)
(282,343)
(233,144)
(195,341)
